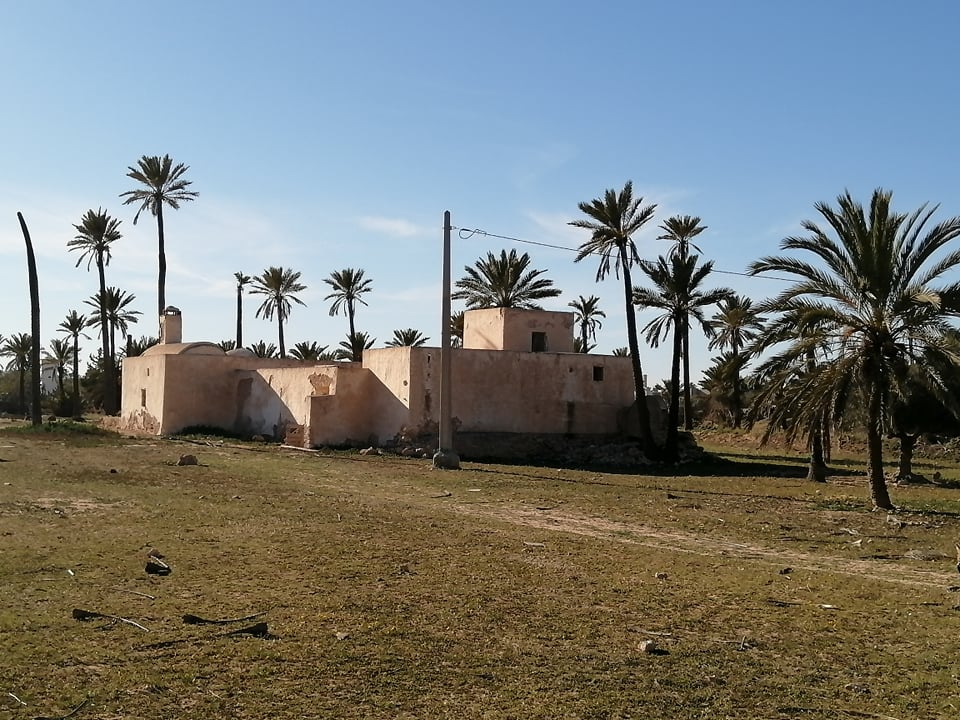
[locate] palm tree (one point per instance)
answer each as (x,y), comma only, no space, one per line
(263,350)
(164,184)
(352,348)
(74,325)
(19,347)
(872,299)
(138,347)
(719,381)
(407,338)
(60,354)
(227,345)
(613,220)
(735,326)
(676,291)
(781,376)
(241,281)
(280,287)
(349,286)
(621,352)
(679,230)
(586,312)
(505,281)
(97,231)
(456,329)
(118,316)
(310,351)
(579,347)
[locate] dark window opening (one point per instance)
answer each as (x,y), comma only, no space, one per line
(598,373)
(538,342)
(143,397)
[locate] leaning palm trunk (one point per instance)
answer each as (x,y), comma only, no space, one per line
(650,448)
(36,416)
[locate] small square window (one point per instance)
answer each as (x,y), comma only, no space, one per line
(598,373)
(538,342)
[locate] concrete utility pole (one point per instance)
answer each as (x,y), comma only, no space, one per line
(446,457)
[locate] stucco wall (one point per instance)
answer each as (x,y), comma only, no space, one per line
(502,391)
(512,329)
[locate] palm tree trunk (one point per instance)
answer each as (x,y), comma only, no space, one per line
(737,389)
(161,265)
(583,336)
(283,352)
(350,319)
(905,465)
(23,390)
(650,448)
(76,377)
(673,420)
(109,383)
(818,466)
(36,416)
(687,401)
(878,485)
(239,316)
(62,393)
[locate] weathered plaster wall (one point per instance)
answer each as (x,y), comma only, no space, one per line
(512,329)
(142,394)
(502,391)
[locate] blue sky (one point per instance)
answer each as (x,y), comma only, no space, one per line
(326,135)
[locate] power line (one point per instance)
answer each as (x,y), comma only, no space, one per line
(467,233)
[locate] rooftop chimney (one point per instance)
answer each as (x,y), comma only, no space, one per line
(171,326)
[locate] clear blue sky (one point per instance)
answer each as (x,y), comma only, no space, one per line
(325,135)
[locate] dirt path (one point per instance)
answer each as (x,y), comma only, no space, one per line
(708,546)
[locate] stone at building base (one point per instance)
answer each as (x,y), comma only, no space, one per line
(446,460)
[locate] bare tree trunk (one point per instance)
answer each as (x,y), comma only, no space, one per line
(36,416)
(650,447)
(673,419)
(687,401)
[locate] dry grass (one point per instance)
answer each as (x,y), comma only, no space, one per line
(396,591)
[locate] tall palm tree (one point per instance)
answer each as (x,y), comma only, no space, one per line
(119,317)
(408,337)
(680,230)
(613,220)
(310,351)
(349,287)
(676,291)
(586,314)
(60,353)
(735,326)
(96,232)
(878,297)
(352,348)
(280,287)
(241,281)
(163,184)
(505,281)
(74,325)
(19,348)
